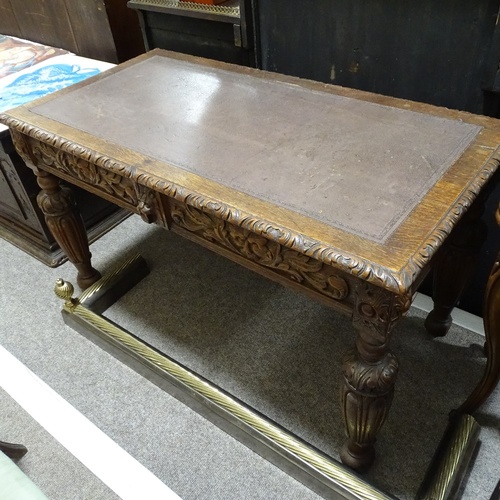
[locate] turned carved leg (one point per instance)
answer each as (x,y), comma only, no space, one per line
(491,318)
(64,221)
(453,269)
(369,373)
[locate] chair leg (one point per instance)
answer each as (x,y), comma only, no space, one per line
(14,451)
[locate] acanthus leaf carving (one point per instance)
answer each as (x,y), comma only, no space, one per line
(366,378)
(268,253)
(56,204)
(39,155)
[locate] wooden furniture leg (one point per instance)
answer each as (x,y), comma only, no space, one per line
(14,451)
(369,373)
(66,224)
(491,318)
(454,268)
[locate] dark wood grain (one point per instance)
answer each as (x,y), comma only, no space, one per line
(106,31)
(225,38)
(45,22)
(91,30)
(413,50)
(125,28)
(8,21)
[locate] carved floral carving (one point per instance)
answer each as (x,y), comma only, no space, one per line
(377,311)
(78,168)
(370,378)
(370,371)
(39,154)
(371,367)
(56,204)
(146,200)
(267,253)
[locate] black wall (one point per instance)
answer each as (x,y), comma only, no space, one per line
(426,50)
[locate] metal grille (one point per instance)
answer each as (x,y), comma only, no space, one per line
(233,11)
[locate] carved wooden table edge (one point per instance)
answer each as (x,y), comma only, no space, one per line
(148,207)
(145,205)
(434,242)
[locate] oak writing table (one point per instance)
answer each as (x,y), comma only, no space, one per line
(344,194)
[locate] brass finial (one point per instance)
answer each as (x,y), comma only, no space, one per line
(64,290)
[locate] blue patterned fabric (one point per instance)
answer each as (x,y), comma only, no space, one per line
(42,81)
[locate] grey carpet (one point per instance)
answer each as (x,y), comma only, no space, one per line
(273,348)
(46,457)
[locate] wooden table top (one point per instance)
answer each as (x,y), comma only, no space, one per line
(367,183)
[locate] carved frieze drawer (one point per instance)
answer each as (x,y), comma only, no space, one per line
(272,258)
(109,184)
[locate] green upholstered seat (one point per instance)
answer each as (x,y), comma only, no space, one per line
(14,484)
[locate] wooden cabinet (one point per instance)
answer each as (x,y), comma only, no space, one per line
(433,52)
(224,32)
(98,29)
(21,221)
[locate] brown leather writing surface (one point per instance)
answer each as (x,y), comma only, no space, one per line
(355,165)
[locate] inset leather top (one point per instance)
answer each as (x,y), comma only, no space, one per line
(355,165)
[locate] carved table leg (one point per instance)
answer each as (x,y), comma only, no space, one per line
(492,331)
(491,318)
(65,223)
(454,268)
(369,373)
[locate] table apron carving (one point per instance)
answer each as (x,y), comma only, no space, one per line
(288,266)
(296,269)
(84,173)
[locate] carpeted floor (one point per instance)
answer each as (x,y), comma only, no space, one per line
(273,348)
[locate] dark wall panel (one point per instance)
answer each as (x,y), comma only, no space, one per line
(99,29)
(8,21)
(43,21)
(427,51)
(90,26)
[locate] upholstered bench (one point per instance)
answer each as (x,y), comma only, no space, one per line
(14,484)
